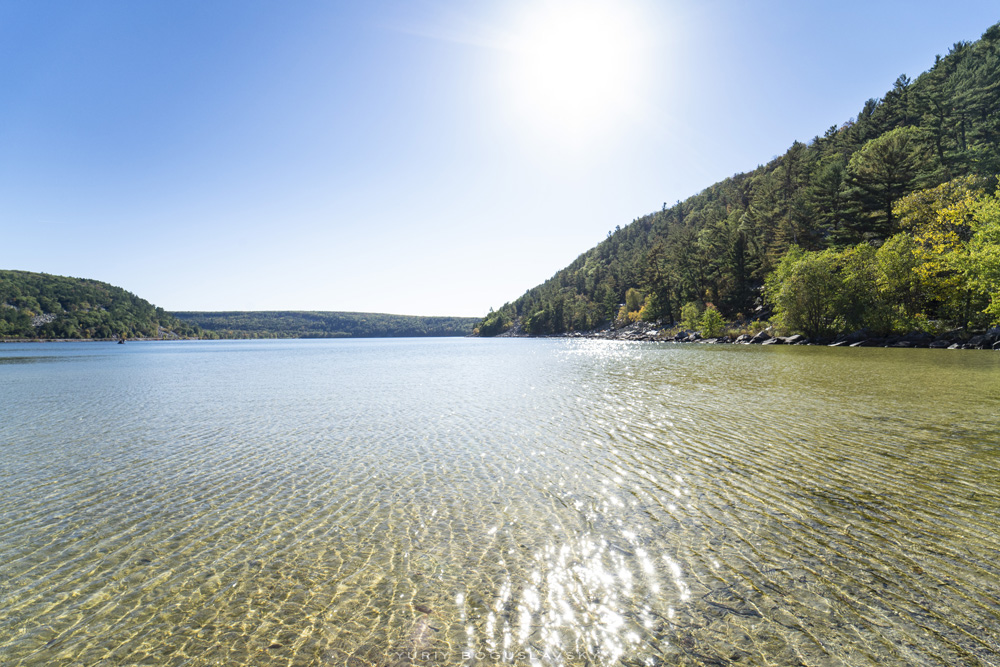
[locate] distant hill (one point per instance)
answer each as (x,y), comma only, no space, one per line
(309,324)
(932,139)
(39,305)
(42,306)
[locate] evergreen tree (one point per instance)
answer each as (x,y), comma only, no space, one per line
(880,173)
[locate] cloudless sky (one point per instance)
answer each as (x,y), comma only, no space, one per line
(412,157)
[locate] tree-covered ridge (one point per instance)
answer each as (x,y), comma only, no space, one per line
(39,305)
(943,267)
(840,191)
(43,306)
(307,324)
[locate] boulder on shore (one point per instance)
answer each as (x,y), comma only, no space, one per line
(918,338)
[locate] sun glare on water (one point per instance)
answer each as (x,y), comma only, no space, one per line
(576,67)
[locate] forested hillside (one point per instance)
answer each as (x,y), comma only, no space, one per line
(43,306)
(890,221)
(300,324)
(39,305)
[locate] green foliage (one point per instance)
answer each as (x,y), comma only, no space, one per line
(621,319)
(712,324)
(314,324)
(38,305)
(495,323)
(633,300)
(806,291)
(652,308)
(830,206)
(984,255)
(838,189)
(942,221)
(882,171)
(691,315)
(944,270)
(881,290)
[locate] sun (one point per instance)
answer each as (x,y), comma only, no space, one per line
(575,68)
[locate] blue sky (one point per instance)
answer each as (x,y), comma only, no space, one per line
(433,158)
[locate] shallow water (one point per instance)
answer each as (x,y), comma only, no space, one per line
(442,501)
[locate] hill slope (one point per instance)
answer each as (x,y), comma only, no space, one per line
(43,306)
(839,190)
(39,305)
(308,324)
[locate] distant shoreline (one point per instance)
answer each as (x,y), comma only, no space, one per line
(88,340)
(166,340)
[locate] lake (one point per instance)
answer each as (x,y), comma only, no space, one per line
(465,501)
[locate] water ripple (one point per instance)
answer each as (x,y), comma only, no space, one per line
(477,502)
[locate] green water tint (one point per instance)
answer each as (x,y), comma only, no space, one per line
(479,502)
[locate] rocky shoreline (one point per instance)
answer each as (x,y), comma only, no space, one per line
(641,331)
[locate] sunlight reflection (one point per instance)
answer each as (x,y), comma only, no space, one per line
(675,568)
(577,597)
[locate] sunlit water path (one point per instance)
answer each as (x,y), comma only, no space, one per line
(552,502)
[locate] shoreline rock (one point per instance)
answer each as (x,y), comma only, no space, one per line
(646,332)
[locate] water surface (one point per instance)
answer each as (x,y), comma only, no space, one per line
(442,501)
